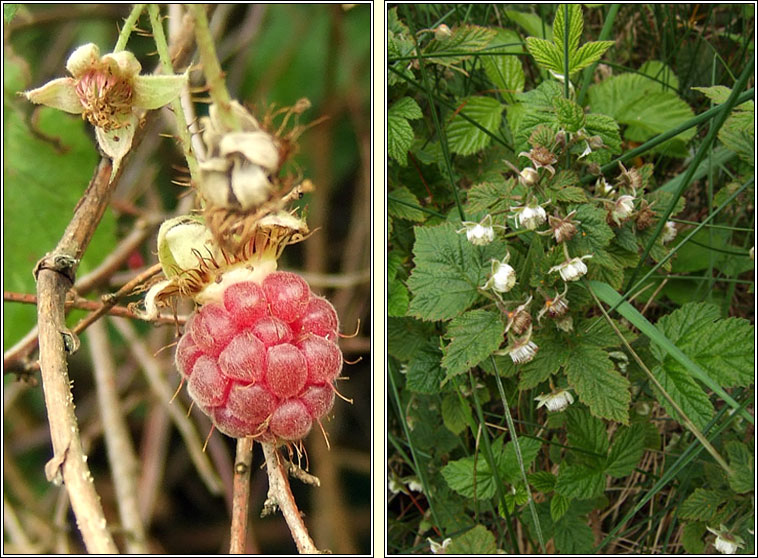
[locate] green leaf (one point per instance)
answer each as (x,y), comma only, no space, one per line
(575,24)
(455,413)
(423,372)
(542,481)
(45,173)
(461,476)
(405,336)
(405,107)
(692,537)
(592,235)
(448,271)
(465,39)
(644,107)
(404,210)
(531,23)
(552,354)
(626,451)
(473,542)
(608,130)
(509,467)
(9,11)
(491,196)
(588,433)
(398,298)
(723,348)
(572,534)
(464,137)
(579,482)
(702,505)
(660,71)
(546,54)
(597,383)
(743,463)
(474,336)
(559,505)
(505,71)
(588,54)
(570,115)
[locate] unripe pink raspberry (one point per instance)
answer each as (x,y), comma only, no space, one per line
(263,360)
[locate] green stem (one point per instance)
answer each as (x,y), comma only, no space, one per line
(185,140)
(129,24)
(214,76)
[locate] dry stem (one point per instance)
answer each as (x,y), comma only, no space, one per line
(241,495)
(280,495)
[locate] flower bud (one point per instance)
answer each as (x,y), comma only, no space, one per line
(725,542)
(555,401)
(503,276)
(528,176)
(566,324)
(442,32)
(529,217)
(622,209)
(481,233)
(573,269)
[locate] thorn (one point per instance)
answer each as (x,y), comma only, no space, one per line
(207,439)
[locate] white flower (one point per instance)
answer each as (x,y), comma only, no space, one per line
(503,276)
(622,209)
(522,352)
(587,150)
(572,269)
(108,91)
(603,188)
(413,484)
(529,217)
(726,543)
(528,176)
(438,548)
(556,401)
(481,233)
(669,232)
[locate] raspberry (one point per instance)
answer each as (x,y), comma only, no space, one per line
(262,362)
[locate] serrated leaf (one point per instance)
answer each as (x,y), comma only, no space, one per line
(552,354)
(701,505)
(592,234)
(573,13)
(542,481)
(399,138)
(579,482)
(570,115)
(722,348)
(741,460)
(464,137)
(423,372)
(660,71)
(626,451)
(455,413)
(505,71)
(464,39)
(597,383)
(473,542)
(509,467)
(572,534)
(587,433)
(491,197)
(405,336)
(546,54)
(448,271)
(608,130)
(559,505)
(405,107)
(461,476)
(398,298)
(401,205)
(588,54)
(474,336)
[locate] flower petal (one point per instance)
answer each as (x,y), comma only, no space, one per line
(256,147)
(117,142)
(82,59)
(59,94)
(123,64)
(152,92)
